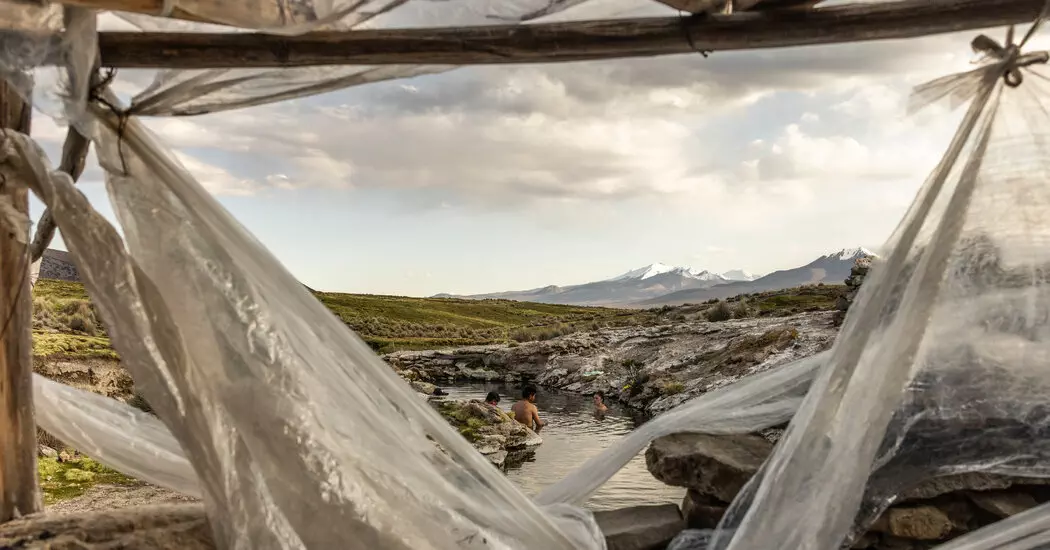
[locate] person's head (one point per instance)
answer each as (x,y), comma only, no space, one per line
(492,398)
(599,398)
(529,393)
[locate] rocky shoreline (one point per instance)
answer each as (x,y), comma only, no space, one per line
(651,369)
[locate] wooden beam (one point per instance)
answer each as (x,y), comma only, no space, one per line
(558,42)
(18,490)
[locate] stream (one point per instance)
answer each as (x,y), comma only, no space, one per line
(572,435)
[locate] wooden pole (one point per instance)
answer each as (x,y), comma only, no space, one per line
(557,42)
(18,488)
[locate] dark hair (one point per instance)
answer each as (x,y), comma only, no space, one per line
(529,390)
(492,396)
(600,394)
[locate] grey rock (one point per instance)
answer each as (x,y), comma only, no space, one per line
(701,511)
(1003,503)
(425,388)
(915,523)
(715,465)
(44,450)
(640,527)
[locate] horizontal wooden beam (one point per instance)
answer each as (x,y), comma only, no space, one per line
(557,42)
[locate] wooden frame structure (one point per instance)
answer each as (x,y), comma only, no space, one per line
(718,25)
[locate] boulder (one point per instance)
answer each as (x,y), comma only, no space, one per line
(1003,503)
(714,465)
(702,511)
(425,388)
(915,523)
(925,511)
(640,527)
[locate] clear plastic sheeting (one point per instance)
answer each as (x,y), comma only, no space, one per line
(941,366)
(749,405)
(116,434)
(193,92)
(277,16)
(301,437)
(48,55)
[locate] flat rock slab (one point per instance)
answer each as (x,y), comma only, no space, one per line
(640,527)
(716,465)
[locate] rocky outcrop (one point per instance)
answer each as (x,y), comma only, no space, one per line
(714,468)
(856,278)
(55,264)
(492,432)
(649,368)
(640,527)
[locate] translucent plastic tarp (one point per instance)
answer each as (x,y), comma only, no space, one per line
(192,92)
(300,437)
(133,441)
(48,54)
(943,365)
(299,434)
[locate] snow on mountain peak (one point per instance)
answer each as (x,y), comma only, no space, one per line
(851,253)
(655,269)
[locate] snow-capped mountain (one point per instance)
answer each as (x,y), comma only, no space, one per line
(850,254)
(739,275)
(653,270)
(830,268)
(659,284)
(644,283)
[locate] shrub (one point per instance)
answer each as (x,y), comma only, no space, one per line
(720,312)
(672,387)
(741,310)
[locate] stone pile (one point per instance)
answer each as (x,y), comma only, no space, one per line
(714,468)
(856,277)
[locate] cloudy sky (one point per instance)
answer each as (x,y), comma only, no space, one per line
(499,178)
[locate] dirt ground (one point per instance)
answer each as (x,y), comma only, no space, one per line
(108,497)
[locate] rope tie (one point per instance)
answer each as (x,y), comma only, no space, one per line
(1009,56)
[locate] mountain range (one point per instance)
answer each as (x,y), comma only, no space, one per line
(658,284)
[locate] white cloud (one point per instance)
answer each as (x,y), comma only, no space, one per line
(216,180)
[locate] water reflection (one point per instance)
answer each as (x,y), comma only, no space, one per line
(574,433)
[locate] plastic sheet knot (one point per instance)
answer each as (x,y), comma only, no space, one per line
(1009,56)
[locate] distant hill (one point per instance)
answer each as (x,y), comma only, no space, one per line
(636,285)
(659,284)
(831,268)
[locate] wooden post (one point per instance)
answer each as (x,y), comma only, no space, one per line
(18,487)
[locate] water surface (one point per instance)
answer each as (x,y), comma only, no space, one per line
(572,435)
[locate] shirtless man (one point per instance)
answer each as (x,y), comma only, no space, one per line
(599,403)
(525,411)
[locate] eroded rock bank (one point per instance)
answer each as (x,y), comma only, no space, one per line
(926,512)
(648,368)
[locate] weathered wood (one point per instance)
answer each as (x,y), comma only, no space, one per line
(18,490)
(732,6)
(556,42)
(254,14)
(171,527)
(74,157)
(185,527)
